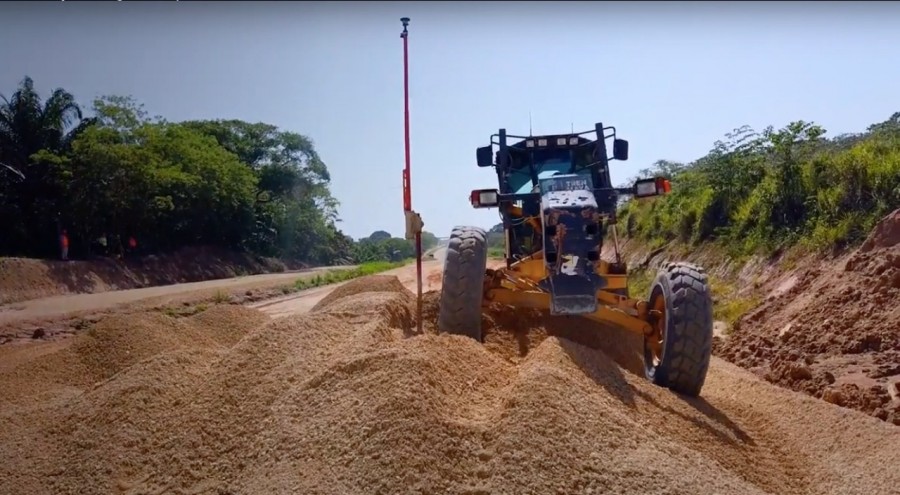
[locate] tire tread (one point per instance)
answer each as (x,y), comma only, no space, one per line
(462,284)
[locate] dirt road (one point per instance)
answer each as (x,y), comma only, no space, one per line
(346,398)
(53,307)
(303,301)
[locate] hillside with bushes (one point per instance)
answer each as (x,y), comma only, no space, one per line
(763,192)
(779,219)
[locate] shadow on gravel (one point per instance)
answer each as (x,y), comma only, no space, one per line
(604,354)
(621,350)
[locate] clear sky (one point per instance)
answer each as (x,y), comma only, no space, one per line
(672,77)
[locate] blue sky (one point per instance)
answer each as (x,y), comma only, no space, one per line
(672,78)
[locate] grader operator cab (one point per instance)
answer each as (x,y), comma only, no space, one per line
(557,204)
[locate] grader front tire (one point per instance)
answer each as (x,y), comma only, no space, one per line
(462,287)
(678,356)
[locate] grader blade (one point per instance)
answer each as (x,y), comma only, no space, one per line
(570,295)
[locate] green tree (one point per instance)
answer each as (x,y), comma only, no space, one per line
(165,183)
(295,214)
(227,183)
(30,190)
(379,235)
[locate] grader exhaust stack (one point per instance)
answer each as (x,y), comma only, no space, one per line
(557,203)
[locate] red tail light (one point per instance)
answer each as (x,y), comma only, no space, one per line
(663,186)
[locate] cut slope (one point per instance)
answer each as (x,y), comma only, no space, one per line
(22,279)
(344,401)
(835,333)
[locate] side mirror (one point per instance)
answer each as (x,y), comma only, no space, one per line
(485,156)
(620,149)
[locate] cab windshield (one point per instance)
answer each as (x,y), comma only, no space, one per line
(546,163)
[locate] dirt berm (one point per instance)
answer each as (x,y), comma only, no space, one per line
(22,279)
(833,330)
(348,400)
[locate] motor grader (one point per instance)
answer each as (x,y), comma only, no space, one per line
(557,204)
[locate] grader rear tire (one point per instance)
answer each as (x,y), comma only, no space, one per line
(681,361)
(462,287)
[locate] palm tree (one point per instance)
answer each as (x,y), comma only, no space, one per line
(28,125)
(30,191)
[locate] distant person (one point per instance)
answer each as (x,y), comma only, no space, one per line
(103,243)
(64,245)
(118,247)
(132,244)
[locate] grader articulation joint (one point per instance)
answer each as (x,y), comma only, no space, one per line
(557,204)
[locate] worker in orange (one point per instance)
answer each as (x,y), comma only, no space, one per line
(64,245)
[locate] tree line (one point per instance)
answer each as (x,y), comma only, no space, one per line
(765,191)
(120,172)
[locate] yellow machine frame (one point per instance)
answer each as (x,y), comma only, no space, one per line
(518,286)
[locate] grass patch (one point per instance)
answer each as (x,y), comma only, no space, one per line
(329,277)
(183,311)
(220,297)
(496,252)
(335,276)
(728,307)
(639,283)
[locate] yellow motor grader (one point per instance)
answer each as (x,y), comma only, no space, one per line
(557,204)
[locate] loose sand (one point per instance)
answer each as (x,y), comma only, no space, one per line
(348,399)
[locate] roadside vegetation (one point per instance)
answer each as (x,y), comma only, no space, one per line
(342,275)
(114,171)
(787,192)
(496,252)
(765,192)
(224,296)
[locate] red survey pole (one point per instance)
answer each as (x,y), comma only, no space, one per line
(413,222)
(407,193)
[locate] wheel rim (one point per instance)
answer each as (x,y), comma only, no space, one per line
(655,340)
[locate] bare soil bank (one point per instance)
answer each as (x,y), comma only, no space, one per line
(25,278)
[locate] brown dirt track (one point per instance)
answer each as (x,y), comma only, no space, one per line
(348,399)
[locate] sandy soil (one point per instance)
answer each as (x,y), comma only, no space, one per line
(347,399)
(833,331)
(333,391)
